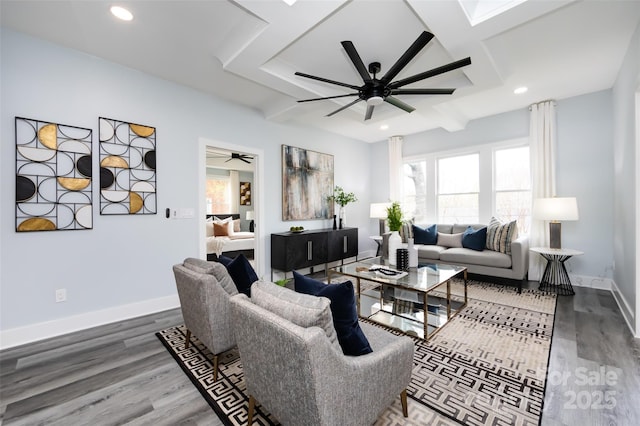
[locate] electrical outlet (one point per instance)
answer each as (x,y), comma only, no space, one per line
(61,295)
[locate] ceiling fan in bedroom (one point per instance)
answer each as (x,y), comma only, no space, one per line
(375,90)
(234,156)
(242,157)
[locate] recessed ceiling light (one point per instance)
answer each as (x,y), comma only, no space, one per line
(384,127)
(290,2)
(121,13)
(520,90)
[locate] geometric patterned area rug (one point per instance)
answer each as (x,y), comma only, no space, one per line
(487,366)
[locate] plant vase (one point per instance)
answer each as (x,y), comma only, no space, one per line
(395,242)
(342,216)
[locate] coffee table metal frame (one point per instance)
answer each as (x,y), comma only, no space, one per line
(421,280)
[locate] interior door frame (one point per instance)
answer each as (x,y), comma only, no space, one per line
(257,196)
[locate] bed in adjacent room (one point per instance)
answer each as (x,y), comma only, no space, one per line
(224,237)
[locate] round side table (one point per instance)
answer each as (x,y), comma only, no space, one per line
(555,278)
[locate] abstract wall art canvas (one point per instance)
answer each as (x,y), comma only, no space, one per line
(53,176)
(307,184)
(245,193)
(127,168)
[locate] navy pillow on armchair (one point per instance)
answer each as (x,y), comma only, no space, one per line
(242,274)
(343,309)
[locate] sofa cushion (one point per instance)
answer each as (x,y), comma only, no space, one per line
(301,309)
(343,309)
(428,235)
(242,274)
(218,271)
(472,257)
(500,235)
(449,240)
(430,251)
(475,239)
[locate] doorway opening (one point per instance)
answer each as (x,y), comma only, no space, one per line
(230,201)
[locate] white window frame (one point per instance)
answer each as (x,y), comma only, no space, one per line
(229,189)
(487,197)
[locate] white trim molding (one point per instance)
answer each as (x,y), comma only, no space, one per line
(625,309)
(598,283)
(44,330)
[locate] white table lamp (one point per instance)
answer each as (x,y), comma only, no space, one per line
(555,209)
(250,217)
(379,211)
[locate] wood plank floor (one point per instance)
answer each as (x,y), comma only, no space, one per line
(121,374)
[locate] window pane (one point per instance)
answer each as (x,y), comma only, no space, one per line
(512,169)
(458,174)
(218,193)
(515,205)
(414,185)
(461,208)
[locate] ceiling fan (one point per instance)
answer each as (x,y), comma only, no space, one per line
(241,157)
(234,156)
(376,91)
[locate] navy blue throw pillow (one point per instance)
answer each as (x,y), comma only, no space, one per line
(242,274)
(224,260)
(427,235)
(343,309)
(474,239)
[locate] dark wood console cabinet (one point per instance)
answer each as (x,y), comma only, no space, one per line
(290,250)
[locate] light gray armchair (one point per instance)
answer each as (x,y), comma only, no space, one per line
(204,289)
(295,368)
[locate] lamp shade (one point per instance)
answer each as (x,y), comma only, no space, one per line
(249,215)
(555,209)
(378,210)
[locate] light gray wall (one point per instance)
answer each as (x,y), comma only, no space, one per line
(127,259)
(625,175)
(584,146)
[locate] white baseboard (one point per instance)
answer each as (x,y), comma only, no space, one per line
(625,309)
(591,282)
(44,330)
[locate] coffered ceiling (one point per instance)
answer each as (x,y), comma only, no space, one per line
(247,51)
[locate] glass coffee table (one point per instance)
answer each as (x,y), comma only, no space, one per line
(403,301)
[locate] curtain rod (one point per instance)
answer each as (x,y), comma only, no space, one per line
(541,102)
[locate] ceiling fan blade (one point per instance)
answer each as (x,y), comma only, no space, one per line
(436,71)
(328,97)
(357,61)
(245,160)
(407,56)
(369,112)
(344,107)
(326,80)
(398,103)
(422,91)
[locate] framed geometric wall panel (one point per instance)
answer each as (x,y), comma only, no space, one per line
(307,184)
(53,176)
(127,168)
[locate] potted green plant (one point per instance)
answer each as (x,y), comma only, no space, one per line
(394,216)
(342,198)
(394,219)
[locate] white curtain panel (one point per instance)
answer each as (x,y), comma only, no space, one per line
(395,167)
(542,148)
(234,181)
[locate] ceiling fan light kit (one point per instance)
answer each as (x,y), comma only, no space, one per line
(375,91)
